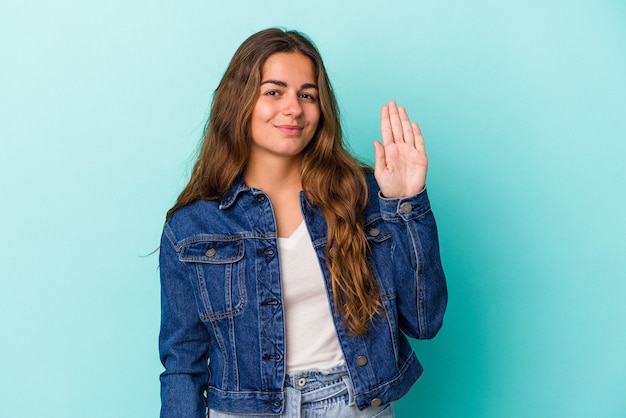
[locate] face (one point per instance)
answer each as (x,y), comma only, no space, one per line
(287,111)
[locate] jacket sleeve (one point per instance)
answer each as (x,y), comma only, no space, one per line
(183,339)
(420,282)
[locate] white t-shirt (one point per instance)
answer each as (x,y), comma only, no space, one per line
(312,341)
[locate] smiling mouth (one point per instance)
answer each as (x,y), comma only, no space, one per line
(290,129)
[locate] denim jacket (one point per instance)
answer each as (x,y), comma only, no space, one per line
(222,338)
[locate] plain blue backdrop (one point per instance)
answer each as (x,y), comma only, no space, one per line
(522,105)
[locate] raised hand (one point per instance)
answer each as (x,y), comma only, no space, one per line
(400,161)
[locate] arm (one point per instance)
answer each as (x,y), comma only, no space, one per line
(183,340)
(421,292)
(400,170)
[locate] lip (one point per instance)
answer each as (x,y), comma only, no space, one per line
(289,129)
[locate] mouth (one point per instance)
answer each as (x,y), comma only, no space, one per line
(290,129)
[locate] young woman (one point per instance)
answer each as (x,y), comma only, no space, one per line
(291,275)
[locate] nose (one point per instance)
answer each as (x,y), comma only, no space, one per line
(292,106)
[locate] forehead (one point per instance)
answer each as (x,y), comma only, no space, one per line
(288,65)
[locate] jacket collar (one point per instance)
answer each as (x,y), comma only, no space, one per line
(239,186)
(235,190)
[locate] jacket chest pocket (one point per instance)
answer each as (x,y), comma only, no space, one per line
(219,273)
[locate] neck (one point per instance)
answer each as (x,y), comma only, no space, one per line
(281,180)
(274,176)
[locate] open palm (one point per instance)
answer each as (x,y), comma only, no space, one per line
(400,162)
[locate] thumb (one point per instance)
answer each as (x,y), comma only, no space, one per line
(379,157)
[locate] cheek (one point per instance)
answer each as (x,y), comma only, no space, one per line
(258,122)
(314,117)
(316,122)
(261,112)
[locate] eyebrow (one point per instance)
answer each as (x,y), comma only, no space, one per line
(283,84)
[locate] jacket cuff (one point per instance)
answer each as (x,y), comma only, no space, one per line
(406,208)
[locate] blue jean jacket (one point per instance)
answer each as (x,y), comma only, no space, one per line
(222,339)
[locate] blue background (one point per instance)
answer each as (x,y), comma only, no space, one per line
(522,104)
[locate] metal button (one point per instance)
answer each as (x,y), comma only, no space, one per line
(210,252)
(301,382)
(361,360)
(406,208)
(376,402)
(374,232)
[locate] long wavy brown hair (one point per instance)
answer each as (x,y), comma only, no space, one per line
(332,179)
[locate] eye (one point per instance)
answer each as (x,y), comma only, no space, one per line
(308,96)
(271,93)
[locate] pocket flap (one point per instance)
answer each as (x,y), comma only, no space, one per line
(216,252)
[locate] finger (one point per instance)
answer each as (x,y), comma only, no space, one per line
(396,123)
(407,129)
(419,139)
(416,129)
(385,126)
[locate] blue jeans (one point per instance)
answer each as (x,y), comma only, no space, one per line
(319,393)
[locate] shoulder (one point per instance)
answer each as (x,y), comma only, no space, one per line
(196,218)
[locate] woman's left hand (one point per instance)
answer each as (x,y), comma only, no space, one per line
(400,163)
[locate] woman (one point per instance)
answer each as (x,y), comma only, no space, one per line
(290,274)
